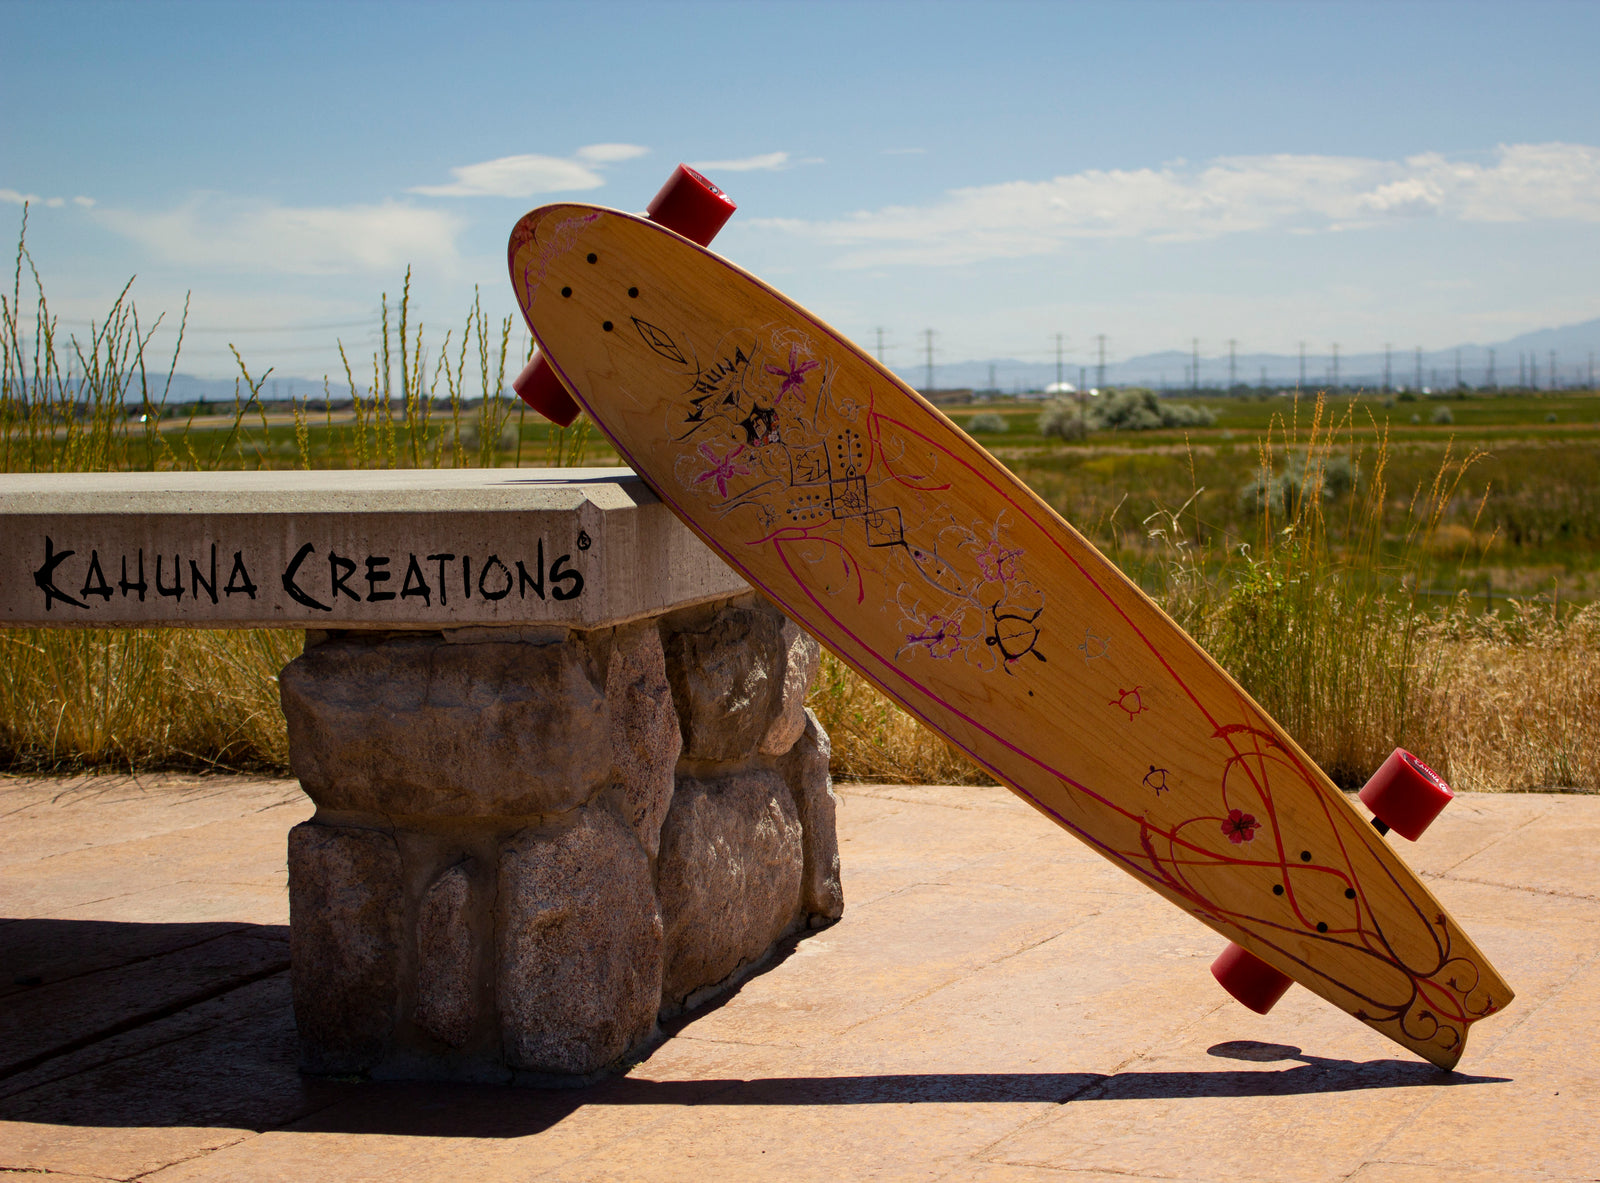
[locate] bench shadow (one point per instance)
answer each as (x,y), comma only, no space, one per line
(218,1050)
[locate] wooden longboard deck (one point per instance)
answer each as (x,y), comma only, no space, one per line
(887,533)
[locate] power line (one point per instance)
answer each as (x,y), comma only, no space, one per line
(1100,367)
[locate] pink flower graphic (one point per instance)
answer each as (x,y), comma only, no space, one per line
(723,468)
(1240,826)
(794,378)
(942,637)
(997,563)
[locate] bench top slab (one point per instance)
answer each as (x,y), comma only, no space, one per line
(436,548)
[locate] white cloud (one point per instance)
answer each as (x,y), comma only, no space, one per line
(232,235)
(1228,195)
(769,161)
(611,153)
(524,176)
(15,198)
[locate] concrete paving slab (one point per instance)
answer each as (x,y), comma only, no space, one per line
(44,817)
(1557,855)
(997,1004)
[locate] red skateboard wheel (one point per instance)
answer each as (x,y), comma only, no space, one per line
(1405,795)
(688,204)
(691,205)
(1249,979)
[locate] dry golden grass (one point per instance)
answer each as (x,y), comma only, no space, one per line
(1513,703)
(875,741)
(143,698)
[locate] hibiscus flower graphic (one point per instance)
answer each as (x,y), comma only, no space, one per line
(997,563)
(1240,826)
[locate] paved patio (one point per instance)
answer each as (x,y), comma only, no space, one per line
(997,1004)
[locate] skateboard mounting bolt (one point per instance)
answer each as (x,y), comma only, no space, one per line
(1277,889)
(633,293)
(566,292)
(1305,856)
(1349,893)
(593,258)
(1321,927)
(606,325)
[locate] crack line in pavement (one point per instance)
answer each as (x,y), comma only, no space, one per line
(1564,895)
(134,1022)
(143,957)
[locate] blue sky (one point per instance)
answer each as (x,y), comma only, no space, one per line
(1427,174)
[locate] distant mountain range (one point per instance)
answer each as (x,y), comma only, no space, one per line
(1520,361)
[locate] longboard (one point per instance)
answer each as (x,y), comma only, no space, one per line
(877,525)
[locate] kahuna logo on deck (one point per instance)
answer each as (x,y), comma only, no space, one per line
(321,579)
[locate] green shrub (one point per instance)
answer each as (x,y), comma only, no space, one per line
(987,423)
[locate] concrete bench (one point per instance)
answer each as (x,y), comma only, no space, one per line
(565,781)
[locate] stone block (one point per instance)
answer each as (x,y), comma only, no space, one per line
(417,726)
(645,737)
(728,878)
(447,958)
(806,770)
(801,657)
(344,940)
(726,681)
(579,940)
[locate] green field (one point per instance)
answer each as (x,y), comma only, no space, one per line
(1373,575)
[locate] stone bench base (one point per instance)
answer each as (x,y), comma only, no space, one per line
(529,845)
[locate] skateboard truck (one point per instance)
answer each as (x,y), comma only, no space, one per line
(688,204)
(1405,795)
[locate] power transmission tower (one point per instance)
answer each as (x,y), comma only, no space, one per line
(1386,350)
(1232,375)
(1335,381)
(1300,385)
(929,334)
(1194,372)
(1100,366)
(1060,378)
(1419,369)
(880,345)
(1533,370)
(993,389)
(1458,367)
(1488,378)
(1591,369)
(1553,372)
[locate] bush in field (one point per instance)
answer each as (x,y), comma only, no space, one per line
(1131,409)
(1064,420)
(1327,477)
(987,423)
(1441,415)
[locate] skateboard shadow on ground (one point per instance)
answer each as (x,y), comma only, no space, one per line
(123,1026)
